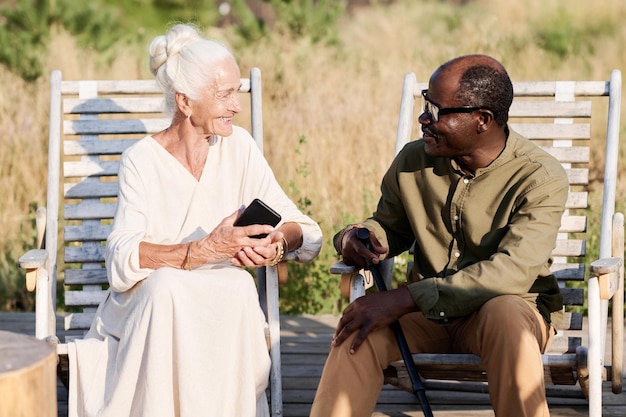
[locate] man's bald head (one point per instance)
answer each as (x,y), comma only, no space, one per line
(481,81)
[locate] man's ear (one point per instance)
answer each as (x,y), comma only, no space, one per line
(485,120)
(183,103)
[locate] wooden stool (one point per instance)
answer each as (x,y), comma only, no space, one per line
(27,377)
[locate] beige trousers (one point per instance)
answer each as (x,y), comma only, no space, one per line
(506,332)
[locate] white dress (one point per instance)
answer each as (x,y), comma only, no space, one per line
(170,342)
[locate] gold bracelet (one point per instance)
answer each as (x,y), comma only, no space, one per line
(188,258)
(285,246)
(280,252)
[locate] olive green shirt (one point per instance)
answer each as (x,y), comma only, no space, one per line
(476,236)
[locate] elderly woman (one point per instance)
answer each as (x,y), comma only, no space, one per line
(181,332)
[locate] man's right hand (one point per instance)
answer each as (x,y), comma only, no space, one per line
(354,251)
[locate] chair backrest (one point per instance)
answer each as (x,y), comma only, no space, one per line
(91,124)
(557,116)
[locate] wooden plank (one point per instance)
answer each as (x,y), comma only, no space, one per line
(568,271)
(79,321)
(90,168)
(569,247)
(571,321)
(114,105)
(573,296)
(91,190)
(577,200)
(573,224)
(543,88)
(127,87)
(577,176)
(552,109)
(84,298)
(574,154)
(85,277)
(115,126)
(87,233)
(548,88)
(89,210)
(97,146)
(80,254)
(114,87)
(552,131)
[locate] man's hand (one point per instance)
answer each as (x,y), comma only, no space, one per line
(372,312)
(354,251)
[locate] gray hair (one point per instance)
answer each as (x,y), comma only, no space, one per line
(184,62)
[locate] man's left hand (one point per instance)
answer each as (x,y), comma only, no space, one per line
(372,312)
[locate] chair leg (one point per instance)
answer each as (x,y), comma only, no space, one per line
(595,355)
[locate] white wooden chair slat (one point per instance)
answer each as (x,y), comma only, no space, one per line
(113,105)
(97,190)
(78,321)
(90,168)
(558,115)
(577,176)
(87,233)
(85,277)
(127,87)
(568,271)
(578,154)
(141,126)
(89,209)
(91,123)
(577,200)
(569,247)
(543,88)
(84,298)
(97,146)
(549,131)
(572,224)
(550,109)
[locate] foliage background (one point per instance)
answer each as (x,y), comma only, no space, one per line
(332,74)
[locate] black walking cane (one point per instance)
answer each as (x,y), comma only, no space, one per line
(418,388)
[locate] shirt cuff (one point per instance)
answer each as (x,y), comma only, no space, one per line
(426,295)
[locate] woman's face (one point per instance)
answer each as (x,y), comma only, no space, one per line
(213,113)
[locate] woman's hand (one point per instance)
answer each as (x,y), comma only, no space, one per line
(261,253)
(229,242)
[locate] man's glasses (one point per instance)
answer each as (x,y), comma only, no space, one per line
(435,111)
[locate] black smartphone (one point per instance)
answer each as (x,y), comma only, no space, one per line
(258,212)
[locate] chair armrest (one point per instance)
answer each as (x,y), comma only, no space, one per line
(32,261)
(607,271)
(352,283)
(340,268)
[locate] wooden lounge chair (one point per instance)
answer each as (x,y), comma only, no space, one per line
(558,116)
(91,124)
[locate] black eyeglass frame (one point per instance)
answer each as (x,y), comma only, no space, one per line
(429,107)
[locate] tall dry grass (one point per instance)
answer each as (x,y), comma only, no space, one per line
(329,110)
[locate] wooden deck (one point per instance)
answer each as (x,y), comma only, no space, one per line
(305,344)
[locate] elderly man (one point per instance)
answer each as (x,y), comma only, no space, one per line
(483,206)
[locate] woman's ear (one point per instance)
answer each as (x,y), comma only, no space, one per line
(183,103)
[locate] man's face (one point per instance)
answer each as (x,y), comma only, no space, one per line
(454,133)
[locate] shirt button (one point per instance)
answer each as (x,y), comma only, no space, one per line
(456,217)
(457,254)
(465,180)
(442,314)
